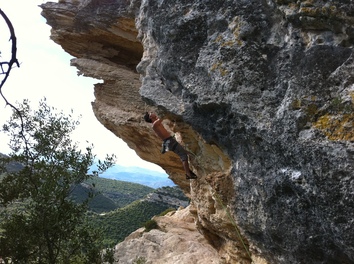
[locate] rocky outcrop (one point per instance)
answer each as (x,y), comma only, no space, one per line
(260,92)
(176,240)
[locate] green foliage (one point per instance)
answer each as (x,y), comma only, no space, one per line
(109,256)
(50,227)
(120,192)
(150,224)
(139,260)
(97,201)
(107,194)
(167,211)
(120,223)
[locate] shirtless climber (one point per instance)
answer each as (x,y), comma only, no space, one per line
(169,142)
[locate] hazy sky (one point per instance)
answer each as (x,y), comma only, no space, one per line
(45,71)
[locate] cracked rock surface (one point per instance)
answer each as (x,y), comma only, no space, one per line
(262,95)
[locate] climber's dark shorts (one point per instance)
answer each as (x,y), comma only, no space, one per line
(170,144)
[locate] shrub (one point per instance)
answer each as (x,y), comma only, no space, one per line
(149,225)
(167,211)
(139,260)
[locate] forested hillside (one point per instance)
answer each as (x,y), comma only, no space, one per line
(109,194)
(118,208)
(118,224)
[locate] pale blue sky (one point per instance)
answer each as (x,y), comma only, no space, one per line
(45,71)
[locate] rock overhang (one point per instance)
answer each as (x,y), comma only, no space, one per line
(259,92)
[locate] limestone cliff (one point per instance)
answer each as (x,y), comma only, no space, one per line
(177,240)
(260,92)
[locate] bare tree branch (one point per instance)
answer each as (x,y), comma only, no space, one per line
(10,64)
(13,59)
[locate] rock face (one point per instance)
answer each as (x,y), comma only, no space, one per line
(260,92)
(177,240)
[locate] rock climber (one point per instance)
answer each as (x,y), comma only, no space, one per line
(169,142)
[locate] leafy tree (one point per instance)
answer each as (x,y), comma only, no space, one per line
(50,227)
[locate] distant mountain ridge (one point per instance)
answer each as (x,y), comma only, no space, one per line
(109,195)
(151,178)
